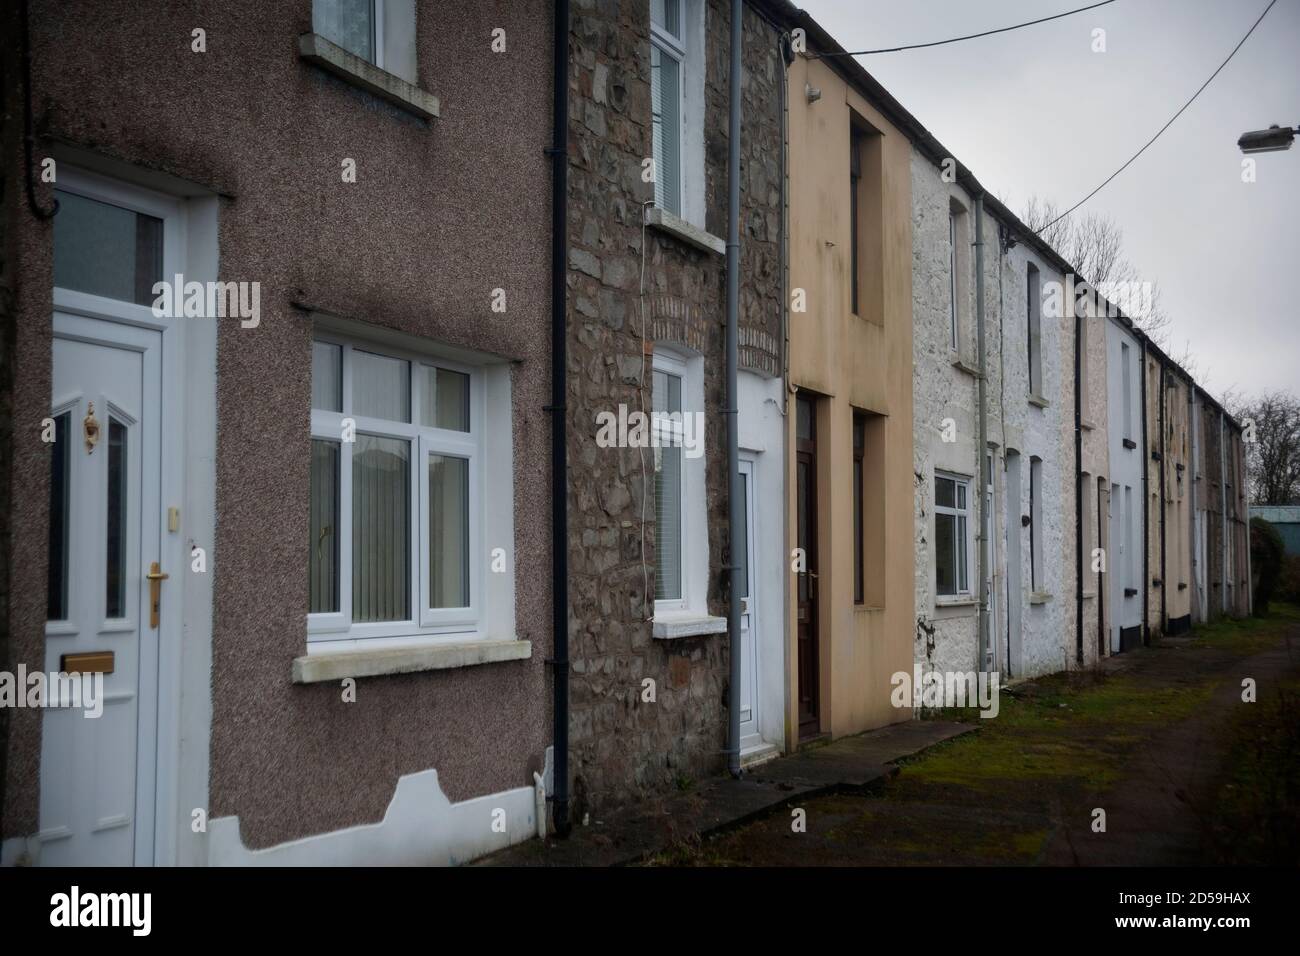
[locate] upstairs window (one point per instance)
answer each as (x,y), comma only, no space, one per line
(952,280)
(1125,364)
(1034,314)
(667,68)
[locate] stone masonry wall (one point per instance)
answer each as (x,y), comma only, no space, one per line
(623,746)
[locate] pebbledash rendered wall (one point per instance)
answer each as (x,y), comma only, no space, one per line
(441,213)
(1032,628)
(624,746)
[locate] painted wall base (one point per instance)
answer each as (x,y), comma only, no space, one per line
(421,827)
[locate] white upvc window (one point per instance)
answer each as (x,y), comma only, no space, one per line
(381,32)
(668,62)
(952,539)
(671,481)
(952,280)
(681,520)
(397,493)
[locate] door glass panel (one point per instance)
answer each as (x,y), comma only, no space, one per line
(446,399)
(324,596)
(741,557)
(106,250)
(56,601)
(381,508)
(117,517)
(801,529)
(804,419)
(448,531)
(381,386)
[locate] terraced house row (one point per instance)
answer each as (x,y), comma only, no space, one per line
(597,396)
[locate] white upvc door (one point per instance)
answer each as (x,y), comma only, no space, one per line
(98,773)
(108,782)
(749,726)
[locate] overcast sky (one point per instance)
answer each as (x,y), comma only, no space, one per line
(1036,112)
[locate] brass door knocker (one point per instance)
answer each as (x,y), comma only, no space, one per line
(90,428)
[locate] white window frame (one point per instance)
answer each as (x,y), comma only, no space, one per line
(1125,363)
(424,441)
(952,279)
(673,45)
(694,510)
(671,364)
(1034,327)
(956,512)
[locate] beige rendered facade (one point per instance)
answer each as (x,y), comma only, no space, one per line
(851,605)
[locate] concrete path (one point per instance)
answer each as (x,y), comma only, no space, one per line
(1159,738)
(680,821)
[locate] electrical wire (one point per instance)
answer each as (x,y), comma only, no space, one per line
(1107,180)
(972,36)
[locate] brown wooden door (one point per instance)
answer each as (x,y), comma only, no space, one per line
(806,535)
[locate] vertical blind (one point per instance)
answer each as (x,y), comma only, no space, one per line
(380,529)
(665,105)
(448,531)
(324,587)
(666,397)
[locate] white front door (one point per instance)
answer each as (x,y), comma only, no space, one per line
(97,772)
(105,769)
(744,555)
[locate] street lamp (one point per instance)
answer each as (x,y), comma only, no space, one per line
(1272,140)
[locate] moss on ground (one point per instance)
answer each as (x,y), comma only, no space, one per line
(992,796)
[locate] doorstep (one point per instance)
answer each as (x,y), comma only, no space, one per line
(637,831)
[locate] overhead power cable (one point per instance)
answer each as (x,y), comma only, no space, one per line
(1040,230)
(973,36)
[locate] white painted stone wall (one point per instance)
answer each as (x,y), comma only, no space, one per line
(1124,559)
(945,386)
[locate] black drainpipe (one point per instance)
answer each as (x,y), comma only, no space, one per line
(1146,507)
(734,515)
(559,153)
(1164,563)
(1079,492)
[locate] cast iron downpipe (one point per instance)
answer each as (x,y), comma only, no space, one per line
(1146,505)
(1080,489)
(734,517)
(1164,455)
(982,454)
(559,152)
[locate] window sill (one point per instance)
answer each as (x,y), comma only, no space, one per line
(1087,425)
(960,600)
(670,627)
(319,668)
(332,58)
(1039,401)
(1039,597)
(961,365)
(1089,594)
(680,229)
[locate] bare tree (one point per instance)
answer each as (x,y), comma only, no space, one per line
(1274,455)
(1094,245)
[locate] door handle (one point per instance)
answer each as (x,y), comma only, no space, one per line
(155,577)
